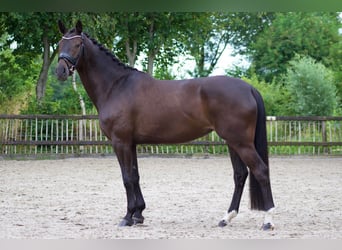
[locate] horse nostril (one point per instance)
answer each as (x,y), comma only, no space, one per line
(62,72)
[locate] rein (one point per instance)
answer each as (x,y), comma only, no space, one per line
(69,59)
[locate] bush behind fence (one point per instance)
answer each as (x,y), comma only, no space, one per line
(46,135)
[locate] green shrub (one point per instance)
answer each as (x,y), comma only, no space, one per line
(275,96)
(311,86)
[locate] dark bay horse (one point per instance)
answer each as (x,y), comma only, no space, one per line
(135,108)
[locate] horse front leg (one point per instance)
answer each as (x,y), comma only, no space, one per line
(139,201)
(240,175)
(127,157)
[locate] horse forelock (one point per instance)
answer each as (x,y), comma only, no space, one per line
(71,31)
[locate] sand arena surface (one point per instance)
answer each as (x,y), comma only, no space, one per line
(84,198)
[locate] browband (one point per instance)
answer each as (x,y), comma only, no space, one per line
(72,37)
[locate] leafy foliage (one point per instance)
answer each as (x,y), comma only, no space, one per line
(60,98)
(205,36)
(15,81)
(306,33)
(311,86)
(29,40)
(276,97)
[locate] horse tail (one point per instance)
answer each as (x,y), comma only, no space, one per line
(260,142)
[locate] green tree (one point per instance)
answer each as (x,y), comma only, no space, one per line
(15,81)
(311,33)
(276,97)
(247,27)
(150,34)
(129,35)
(101,26)
(311,87)
(335,60)
(34,34)
(205,36)
(160,30)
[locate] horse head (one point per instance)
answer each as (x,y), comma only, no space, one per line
(70,50)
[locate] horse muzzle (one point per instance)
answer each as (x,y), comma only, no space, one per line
(62,70)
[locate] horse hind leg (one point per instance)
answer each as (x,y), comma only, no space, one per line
(240,176)
(260,186)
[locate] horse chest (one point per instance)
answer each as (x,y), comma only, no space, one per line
(115,123)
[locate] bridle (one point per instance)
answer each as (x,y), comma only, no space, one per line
(70,61)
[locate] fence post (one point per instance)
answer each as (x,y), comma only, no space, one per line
(36,136)
(80,134)
(324,136)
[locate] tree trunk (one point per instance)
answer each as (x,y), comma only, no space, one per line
(131,52)
(200,67)
(82,104)
(150,63)
(82,122)
(152,52)
(43,75)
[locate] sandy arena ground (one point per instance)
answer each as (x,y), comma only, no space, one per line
(84,198)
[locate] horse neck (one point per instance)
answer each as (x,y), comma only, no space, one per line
(99,73)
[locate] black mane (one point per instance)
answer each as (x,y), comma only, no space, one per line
(108,53)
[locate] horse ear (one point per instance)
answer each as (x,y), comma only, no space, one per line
(79,27)
(62,28)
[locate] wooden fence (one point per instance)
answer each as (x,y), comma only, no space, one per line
(47,135)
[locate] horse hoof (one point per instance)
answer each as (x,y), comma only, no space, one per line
(138,220)
(222,223)
(126,223)
(267,227)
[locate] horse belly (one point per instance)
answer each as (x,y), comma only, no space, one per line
(171,131)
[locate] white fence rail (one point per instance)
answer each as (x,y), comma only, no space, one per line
(40,135)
